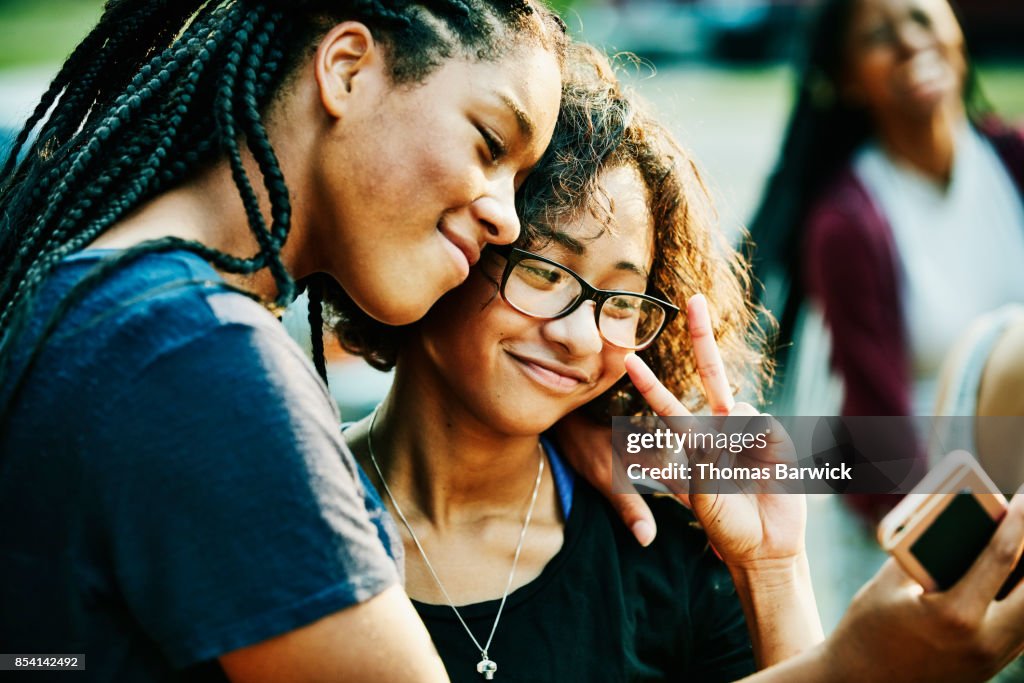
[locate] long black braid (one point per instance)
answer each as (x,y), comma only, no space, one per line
(160,89)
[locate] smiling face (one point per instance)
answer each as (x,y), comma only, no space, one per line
(518,374)
(904,57)
(421,176)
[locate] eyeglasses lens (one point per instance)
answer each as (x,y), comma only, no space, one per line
(544,290)
(541,289)
(629,321)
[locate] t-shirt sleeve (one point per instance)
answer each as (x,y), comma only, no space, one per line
(233,511)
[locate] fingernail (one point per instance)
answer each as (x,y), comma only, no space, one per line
(644,532)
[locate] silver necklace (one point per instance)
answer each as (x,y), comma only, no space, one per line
(487,667)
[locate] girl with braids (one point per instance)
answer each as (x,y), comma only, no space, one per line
(521,571)
(177,501)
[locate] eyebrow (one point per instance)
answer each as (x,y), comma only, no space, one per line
(578,248)
(631,267)
(526,124)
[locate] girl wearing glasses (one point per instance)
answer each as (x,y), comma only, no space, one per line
(520,570)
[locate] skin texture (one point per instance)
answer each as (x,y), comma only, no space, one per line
(394,214)
(394,647)
(502,393)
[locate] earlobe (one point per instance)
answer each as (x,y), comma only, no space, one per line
(342,59)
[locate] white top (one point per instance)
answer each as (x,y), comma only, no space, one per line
(960,248)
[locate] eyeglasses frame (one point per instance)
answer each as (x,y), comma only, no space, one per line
(514,255)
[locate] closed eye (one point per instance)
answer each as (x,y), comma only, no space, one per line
(495,148)
(921,18)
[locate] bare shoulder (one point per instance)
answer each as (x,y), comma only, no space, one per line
(1001,391)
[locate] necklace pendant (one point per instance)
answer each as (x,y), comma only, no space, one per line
(487,668)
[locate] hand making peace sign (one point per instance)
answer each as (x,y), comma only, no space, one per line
(748,523)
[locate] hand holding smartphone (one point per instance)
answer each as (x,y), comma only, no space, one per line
(938,530)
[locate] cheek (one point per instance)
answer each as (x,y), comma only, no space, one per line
(468,318)
(869,77)
(613,368)
(441,156)
(874,65)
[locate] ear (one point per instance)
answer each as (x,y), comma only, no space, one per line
(347,54)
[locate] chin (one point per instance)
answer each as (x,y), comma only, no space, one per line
(395,313)
(403,316)
(542,417)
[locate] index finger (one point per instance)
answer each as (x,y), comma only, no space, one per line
(662,401)
(709,359)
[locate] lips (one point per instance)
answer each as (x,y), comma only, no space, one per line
(550,374)
(467,248)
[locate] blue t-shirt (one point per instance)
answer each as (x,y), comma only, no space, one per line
(173,482)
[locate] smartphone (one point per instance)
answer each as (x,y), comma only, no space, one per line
(938,530)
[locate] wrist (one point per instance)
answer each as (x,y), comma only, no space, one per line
(771,573)
(778,601)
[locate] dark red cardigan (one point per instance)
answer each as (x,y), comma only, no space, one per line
(850,268)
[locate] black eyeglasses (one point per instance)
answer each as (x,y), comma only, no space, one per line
(541,288)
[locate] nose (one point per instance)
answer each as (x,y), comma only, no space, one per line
(495,212)
(577,332)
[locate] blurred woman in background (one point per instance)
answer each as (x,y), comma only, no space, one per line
(895,207)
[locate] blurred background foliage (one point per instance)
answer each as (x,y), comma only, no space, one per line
(751,38)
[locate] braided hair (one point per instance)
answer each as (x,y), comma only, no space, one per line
(160,89)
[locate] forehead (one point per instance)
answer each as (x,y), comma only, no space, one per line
(525,78)
(622,229)
(938,11)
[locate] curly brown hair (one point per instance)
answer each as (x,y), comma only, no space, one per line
(600,127)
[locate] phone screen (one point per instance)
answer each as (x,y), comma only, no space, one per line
(948,548)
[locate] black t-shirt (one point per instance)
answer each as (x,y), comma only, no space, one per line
(605,609)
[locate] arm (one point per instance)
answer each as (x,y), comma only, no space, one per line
(588,446)
(393,646)
(894,631)
(778,601)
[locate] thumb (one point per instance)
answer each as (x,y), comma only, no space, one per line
(633,510)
